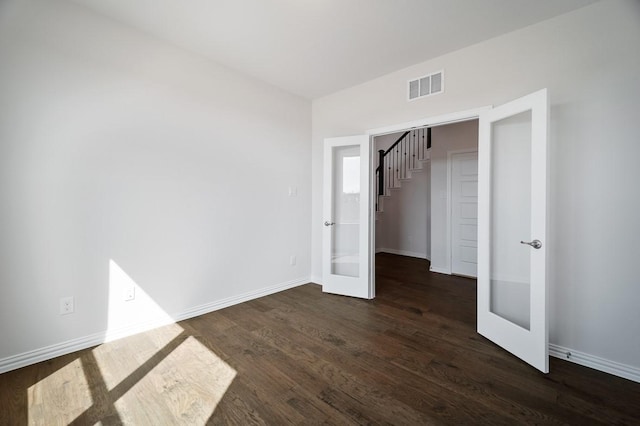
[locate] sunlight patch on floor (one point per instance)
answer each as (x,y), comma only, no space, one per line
(120,358)
(65,392)
(149,371)
(186,386)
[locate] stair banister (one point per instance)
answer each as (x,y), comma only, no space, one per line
(397,162)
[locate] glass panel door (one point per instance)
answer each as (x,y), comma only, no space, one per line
(512,181)
(510,217)
(345,250)
(346,217)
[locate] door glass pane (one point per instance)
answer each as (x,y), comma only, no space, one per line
(510,294)
(345,238)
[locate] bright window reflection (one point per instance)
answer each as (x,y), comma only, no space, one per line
(345,248)
(351,175)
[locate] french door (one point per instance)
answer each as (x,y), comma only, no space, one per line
(512,184)
(346,233)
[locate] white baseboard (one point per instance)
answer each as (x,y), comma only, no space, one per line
(402,253)
(234,300)
(439,270)
(595,362)
(316,279)
(48,352)
(31,357)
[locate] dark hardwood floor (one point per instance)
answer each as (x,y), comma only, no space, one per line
(409,357)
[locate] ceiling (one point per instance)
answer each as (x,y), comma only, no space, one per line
(316,47)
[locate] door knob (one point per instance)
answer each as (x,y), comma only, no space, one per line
(536,244)
(327,223)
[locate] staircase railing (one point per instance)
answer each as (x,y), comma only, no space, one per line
(399,159)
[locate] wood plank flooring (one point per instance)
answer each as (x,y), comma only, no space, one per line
(409,357)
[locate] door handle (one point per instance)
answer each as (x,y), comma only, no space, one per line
(327,223)
(536,244)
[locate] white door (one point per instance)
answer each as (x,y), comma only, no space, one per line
(464,213)
(346,232)
(512,180)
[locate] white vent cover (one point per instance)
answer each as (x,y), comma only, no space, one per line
(425,86)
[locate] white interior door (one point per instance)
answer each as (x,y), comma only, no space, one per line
(512,180)
(346,231)
(464,213)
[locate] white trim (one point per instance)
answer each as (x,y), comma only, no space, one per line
(448,229)
(403,253)
(48,352)
(612,367)
(438,120)
(373,198)
(234,300)
(316,279)
(439,270)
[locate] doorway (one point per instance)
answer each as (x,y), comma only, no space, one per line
(416,218)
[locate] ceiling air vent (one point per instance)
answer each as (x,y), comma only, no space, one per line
(425,86)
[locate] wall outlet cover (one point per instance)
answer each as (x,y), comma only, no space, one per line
(66,305)
(129,293)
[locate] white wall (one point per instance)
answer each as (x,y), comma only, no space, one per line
(115,146)
(444,139)
(589,61)
(404,219)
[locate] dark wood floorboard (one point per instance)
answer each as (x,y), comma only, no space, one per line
(411,356)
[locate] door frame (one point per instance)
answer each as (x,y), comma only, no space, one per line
(449,227)
(436,120)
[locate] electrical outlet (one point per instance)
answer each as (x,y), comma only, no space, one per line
(292,260)
(66,305)
(129,293)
